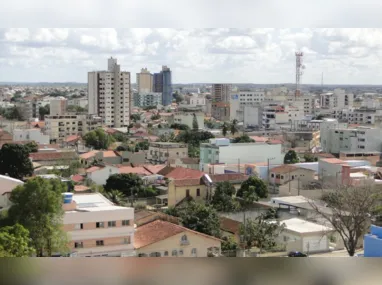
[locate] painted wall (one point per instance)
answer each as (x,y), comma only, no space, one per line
(373,242)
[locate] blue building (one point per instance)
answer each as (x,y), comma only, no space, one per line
(372,243)
(158,82)
(167,86)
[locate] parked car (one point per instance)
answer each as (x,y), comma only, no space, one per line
(296,254)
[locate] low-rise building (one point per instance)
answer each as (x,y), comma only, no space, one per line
(282,174)
(53,158)
(35,135)
(63,126)
(187,118)
(7,184)
(165,239)
(161,152)
(96,227)
(146,99)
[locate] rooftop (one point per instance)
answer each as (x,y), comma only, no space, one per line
(93,202)
(39,156)
(302,226)
(183,173)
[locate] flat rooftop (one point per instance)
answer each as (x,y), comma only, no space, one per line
(94,202)
(302,226)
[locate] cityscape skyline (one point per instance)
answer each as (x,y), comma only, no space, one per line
(260,56)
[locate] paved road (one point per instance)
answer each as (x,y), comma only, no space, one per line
(339,253)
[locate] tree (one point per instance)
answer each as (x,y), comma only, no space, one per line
(252,189)
(350,210)
(155,117)
(129,184)
(223,198)
(76,109)
(178,97)
(122,148)
(116,197)
(98,139)
(243,139)
(143,145)
(37,205)
(15,242)
(13,113)
(15,162)
(260,232)
(120,137)
(201,218)
(32,146)
(178,126)
(195,125)
(229,244)
(225,129)
(169,137)
(233,127)
(42,111)
(135,117)
(309,158)
(291,157)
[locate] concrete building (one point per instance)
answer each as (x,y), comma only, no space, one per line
(146,99)
(221,151)
(284,173)
(250,97)
(338,99)
(165,239)
(161,152)
(305,102)
(197,100)
(221,92)
(362,115)
(79,102)
(186,117)
(144,81)
(58,106)
(35,135)
(250,113)
(220,111)
(60,127)
(275,115)
(162,82)
(360,139)
(7,184)
(96,227)
(109,94)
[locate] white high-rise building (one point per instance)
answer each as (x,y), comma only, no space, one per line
(109,95)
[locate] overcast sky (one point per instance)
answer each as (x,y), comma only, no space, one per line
(241,55)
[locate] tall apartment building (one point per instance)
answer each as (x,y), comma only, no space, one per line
(58,106)
(162,152)
(146,99)
(336,99)
(144,81)
(109,95)
(221,92)
(162,82)
(96,227)
(303,102)
(248,97)
(61,126)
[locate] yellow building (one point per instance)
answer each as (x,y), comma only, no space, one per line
(180,189)
(165,239)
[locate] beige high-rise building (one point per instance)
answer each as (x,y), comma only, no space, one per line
(58,106)
(109,95)
(221,92)
(144,81)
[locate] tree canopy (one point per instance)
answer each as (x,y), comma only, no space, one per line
(310,158)
(15,162)
(243,139)
(195,125)
(223,198)
(252,189)
(178,126)
(291,157)
(76,109)
(233,127)
(12,113)
(225,128)
(15,242)
(37,205)
(129,184)
(98,139)
(44,110)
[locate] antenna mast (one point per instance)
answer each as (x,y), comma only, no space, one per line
(299,68)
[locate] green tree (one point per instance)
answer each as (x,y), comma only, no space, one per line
(42,111)
(291,157)
(155,117)
(243,139)
(225,128)
(178,97)
(15,242)
(223,198)
(260,232)
(310,158)
(76,109)
(169,137)
(98,139)
(15,162)
(116,197)
(129,184)
(229,244)
(13,113)
(172,211)
(234,128)
(201,218)
(37,205)
(120,137)
(32,146)
(182,127)
(195,125)
(144,145)
(135,117)
(252,189)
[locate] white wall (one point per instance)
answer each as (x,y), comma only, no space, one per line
(99,177)
(31,135)
(7,184)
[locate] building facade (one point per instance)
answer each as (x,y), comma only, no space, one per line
(109,95)
(35,135)
(221,92)
(58,106)
(161,152)
(145,99)
(144,81)
(187,118)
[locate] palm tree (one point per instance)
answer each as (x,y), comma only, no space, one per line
(234,128)
(116,197)
(224,129)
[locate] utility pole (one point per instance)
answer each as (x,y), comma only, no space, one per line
(245,234)
(238,166)
(338,172)
(298,187)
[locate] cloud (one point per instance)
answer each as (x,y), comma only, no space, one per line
(195,55)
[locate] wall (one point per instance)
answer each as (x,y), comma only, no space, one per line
(7,185)
(373,242)
(99,177)
(31,135)
(187,118)
(177,193)
(197,241)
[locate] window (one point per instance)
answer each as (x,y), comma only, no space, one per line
(285,238)
(184,238)
(166,253)
(78,226)
(193,251)
(198,192)
(174,253)
(155,254)
(100,225)
(125,222)
(111,224)
(78,244)
(127,240)
(272,175)
(188,193)
(181,252)
(99,243)
(142,255)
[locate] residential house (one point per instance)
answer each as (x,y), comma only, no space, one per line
(5,137)
(143,217)
(7,184)
(96,227)
(161,152)
(53,158)
(186,162)
(161,238)
(31,135)
(230,228)
(284,173)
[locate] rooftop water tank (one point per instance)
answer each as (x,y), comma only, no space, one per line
(222,142)
(68,197)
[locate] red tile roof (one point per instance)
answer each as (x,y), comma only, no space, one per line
(93,168)
(229,225)
(187,182)
(333,160)
(136,170)
(81,188)
(41,156)
(89,154)
(228,177)
(77,178)
(109,153)
(159,230)
(154,169)
(259,139)
(72,138)
(184,173)
(284,168)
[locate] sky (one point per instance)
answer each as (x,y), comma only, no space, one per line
(194,54)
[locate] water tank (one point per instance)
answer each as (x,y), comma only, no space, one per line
(68,197)
(222,142)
